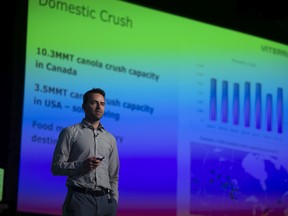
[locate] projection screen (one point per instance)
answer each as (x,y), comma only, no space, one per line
(198,111)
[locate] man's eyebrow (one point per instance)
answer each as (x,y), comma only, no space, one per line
(97,101)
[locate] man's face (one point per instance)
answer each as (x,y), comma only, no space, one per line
(94,107)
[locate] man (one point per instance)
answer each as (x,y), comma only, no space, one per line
(87,153)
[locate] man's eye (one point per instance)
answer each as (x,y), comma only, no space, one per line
(96,102)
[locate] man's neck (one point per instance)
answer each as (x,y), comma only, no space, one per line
(95,124)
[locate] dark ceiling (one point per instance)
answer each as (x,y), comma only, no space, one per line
(263,18)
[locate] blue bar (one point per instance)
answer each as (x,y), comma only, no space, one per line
(247,105)
(236,104)
(269,112)
(280,110)
(224,101)
(258,104)
(213,100)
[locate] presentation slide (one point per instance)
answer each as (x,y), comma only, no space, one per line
(198,111)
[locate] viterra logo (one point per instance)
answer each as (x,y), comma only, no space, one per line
(274,51)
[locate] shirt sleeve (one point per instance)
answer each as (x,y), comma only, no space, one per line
(60,161)
(114,172)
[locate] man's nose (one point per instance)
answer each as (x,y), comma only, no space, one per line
(98,104)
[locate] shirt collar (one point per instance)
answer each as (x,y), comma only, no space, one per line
(85,124)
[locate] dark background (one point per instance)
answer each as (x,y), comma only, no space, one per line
(263,18)
(267,19)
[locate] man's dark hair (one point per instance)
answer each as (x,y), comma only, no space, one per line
(94,90)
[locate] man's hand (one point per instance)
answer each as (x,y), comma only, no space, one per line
(91,163)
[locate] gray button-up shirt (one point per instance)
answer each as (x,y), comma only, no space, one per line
(78,142)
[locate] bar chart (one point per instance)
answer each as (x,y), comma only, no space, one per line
(253,110)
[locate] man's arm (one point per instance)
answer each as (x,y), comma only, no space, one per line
(114,172)
(60,161)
